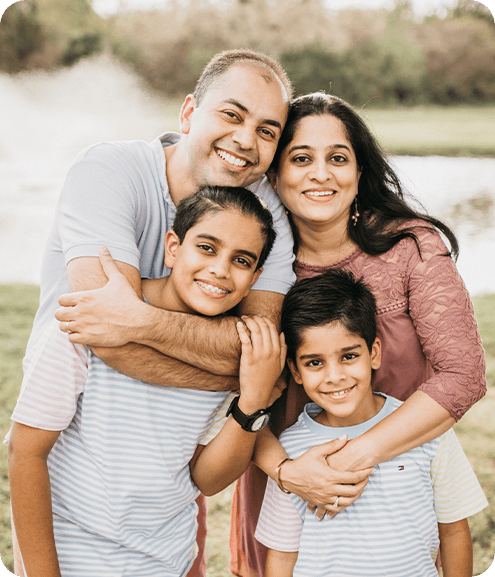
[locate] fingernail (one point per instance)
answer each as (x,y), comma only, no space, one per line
(343,437)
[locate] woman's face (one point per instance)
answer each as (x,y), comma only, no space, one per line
(318,174)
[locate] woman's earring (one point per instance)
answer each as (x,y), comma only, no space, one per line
(356,215)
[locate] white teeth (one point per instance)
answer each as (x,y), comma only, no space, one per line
(320,193)
(340,393)
(231,159)
(211,288)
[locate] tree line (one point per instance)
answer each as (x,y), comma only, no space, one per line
(381,57)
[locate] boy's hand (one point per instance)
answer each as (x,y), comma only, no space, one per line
(262,361)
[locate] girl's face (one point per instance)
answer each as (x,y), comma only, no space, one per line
(318,174)
(215,266)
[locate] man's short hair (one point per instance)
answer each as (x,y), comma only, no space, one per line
(222,61)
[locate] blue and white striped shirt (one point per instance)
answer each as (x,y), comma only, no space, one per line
(392,529)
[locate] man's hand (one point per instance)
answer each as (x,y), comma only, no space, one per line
(310,477)
(102,317)
(262,361)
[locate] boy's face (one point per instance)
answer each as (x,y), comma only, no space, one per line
(335,367)
(214,267)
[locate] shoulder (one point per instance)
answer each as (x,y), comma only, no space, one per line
(264,190)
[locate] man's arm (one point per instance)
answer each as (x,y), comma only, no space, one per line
(456,549)
(31,498)
(113,315)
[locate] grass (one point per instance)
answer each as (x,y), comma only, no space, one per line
(435,130)
(18,304)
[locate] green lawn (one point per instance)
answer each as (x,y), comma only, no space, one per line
(476,432)
(435,130)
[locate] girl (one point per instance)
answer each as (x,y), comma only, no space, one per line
(105,470)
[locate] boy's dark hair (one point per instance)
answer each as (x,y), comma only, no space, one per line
(221,62)
(332,296)
(212,199)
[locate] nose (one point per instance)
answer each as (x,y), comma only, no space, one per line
(220,267)
(319,171)
(334,374)
(245,136)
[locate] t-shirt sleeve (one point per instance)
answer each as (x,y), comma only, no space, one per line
(457,492)
(99,204)
(278,275)
(443,317)
(55,373)
(218,420)
(279,524)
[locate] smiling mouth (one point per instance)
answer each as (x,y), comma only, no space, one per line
(339,394)
(320,193)
(231,159)
(211,288)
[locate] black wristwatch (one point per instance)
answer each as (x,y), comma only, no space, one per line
(252,423)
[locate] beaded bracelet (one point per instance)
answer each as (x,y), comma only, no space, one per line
(277,476)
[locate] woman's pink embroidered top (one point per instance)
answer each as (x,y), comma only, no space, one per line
(425,321)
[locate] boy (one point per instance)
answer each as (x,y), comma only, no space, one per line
(412,505)
(105,470)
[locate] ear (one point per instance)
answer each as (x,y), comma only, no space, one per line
(272,177)
(294,371)
(171,245)
(256,276)
(186,113)
(376,354)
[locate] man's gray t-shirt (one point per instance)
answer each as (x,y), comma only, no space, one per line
(116,195)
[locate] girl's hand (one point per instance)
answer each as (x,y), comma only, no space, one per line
(262,361)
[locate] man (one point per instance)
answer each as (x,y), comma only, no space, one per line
(123,196)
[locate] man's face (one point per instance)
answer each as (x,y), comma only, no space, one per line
(233,134)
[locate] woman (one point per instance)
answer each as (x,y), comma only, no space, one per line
(347,210)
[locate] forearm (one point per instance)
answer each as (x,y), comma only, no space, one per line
(418,420)
(268,452)
(210,344)
(32,515)
(148,365)
(456,549)
(224,459)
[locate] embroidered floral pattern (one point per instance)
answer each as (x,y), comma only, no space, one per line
(430,290)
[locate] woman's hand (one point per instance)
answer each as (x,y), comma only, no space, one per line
(262,361)
(310,477)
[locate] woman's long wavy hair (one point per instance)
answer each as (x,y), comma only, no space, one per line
(384,212)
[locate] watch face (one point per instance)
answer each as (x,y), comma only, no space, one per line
(260,422)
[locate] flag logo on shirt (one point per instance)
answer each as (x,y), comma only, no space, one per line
(401,467)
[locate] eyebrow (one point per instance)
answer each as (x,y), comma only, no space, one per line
(269,121)
(220,242)
(307,147)
(343,350)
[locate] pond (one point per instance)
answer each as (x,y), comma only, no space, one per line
(47,119)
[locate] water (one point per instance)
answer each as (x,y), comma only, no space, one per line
(46,119)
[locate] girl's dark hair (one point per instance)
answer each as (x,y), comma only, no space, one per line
(213,199)
(334,296)
(384,212)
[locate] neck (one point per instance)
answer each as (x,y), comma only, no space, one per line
(159,293)
(180,184)
(323,244)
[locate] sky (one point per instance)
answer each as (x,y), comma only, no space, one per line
(421,7)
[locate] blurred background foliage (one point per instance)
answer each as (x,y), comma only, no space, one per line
(381,57)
